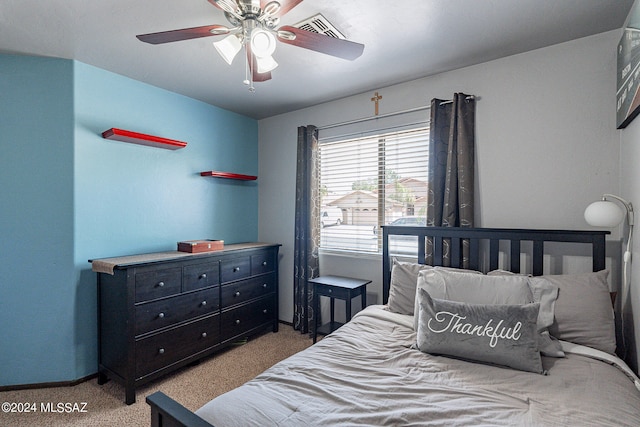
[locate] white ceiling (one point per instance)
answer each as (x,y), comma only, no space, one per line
(404,40)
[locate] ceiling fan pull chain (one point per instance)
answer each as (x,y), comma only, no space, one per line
(251,87)
(248,74)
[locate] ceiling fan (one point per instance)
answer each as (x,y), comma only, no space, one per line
(253,27)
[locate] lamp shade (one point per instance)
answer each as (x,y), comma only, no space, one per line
(603,214)
(228,48)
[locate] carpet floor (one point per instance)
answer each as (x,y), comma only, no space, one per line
(191,386)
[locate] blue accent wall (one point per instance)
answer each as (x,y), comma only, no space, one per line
(36,220)
(68,196)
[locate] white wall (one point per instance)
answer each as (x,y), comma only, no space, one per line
(630,190)
(546,145)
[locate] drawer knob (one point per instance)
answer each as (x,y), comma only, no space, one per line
(264,285)
(264,263)
(161,351)
(236,269)
(237,321)
(203,276)
(204,303)
(160,284)
(161,315)
(265,311)
(204,335)
(237,294)
(330,291)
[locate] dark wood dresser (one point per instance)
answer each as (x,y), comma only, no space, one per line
(158,312)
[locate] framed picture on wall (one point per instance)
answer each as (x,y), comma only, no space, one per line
(628,87)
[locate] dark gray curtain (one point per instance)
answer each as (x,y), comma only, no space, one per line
(451,165)
(307,228)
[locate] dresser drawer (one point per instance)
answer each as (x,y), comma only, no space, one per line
(160,350)
(263,262)
(246,317)
(158,283)
(235,269)
(201,275)
(159,314)
(245,290)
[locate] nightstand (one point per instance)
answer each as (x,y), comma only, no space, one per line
(343,288)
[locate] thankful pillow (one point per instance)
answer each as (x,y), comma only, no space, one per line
(498,334)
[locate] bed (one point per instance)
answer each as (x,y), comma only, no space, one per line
(549,360)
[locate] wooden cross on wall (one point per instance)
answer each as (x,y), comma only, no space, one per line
(376,98)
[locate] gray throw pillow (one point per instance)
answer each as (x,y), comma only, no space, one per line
(546,294)
(583,311)
(402,291)
(503,335)
(474,289)
(404,279)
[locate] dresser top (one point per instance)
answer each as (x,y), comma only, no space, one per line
(107,265)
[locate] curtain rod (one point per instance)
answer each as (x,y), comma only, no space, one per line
(451,100)
(381,116)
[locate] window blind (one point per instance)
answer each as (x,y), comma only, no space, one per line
(371,178)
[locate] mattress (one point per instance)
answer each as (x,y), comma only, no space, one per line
(367,373)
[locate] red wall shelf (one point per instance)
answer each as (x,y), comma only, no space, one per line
(142,139)
(229,175)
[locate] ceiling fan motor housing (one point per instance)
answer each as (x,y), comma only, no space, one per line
(250,6)
(250,10)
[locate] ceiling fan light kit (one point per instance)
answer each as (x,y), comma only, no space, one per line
(263,43)
(266,64)
(228,47)
(254,28)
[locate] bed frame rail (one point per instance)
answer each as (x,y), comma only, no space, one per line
(454,236)
(166,412)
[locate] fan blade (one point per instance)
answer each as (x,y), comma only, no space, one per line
(183,34)
(285,5)
(253,65)
(344,49)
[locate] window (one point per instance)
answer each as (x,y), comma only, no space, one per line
(372,180)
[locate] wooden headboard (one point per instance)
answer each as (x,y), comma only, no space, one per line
(486,242)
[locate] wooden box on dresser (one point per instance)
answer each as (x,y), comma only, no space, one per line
(159,312)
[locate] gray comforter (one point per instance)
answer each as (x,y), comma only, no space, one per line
(366,373)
